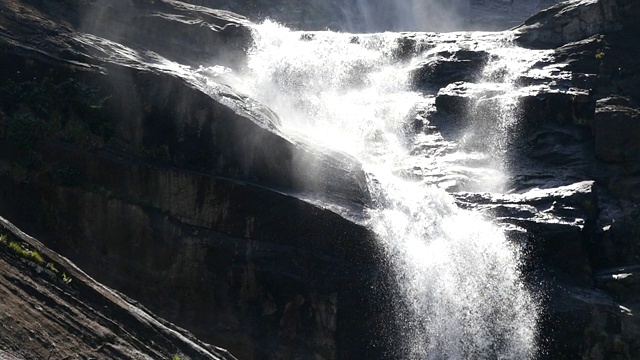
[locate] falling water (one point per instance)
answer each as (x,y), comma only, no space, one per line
(459,286)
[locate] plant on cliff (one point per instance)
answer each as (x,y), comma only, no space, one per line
(24,251)
(21,250)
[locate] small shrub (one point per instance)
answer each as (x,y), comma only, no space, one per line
(66,279)
(51,266)
(21,251)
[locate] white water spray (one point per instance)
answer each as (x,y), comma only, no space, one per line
(458,275)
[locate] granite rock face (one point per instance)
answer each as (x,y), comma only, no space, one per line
(573,203)
(575,20)
(177,191)
(448,67)
(142,172)
(62,312)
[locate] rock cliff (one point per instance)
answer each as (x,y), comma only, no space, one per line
(181,193)
(574,190)
(185,195)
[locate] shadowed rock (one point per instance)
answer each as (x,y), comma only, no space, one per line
(616,130)
(576,20)
(449,67)
(554,220)
(145,172)
(65,313)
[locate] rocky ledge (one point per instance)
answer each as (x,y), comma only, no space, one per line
(53,310)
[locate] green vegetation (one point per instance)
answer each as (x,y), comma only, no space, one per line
(24,251)
(66,279)
(51,266)
(24,130)
(39,109)
(21,250)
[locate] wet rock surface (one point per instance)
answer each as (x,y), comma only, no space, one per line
(139,199)
(572,202)
(142,172)
(448,67)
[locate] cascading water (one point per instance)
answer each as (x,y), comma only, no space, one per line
(459,289)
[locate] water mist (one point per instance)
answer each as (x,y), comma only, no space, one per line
(412,15)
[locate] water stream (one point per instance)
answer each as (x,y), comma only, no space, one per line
(460,293)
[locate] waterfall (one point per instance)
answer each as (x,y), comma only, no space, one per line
(460,293)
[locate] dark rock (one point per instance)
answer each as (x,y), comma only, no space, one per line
(544,103)
(192,35)
(554,219)
(614,241)
(616,129)
(378,16)
(65,313)
(449,67)
(581,56)
(589,323)
(458,98)
(151,108)
(623,282)
(143,173)
(576,20)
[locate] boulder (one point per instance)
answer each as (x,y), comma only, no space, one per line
(458,98)
(448,67)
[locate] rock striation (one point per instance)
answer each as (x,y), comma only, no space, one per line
(52,309)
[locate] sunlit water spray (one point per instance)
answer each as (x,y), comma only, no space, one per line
(460,291)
